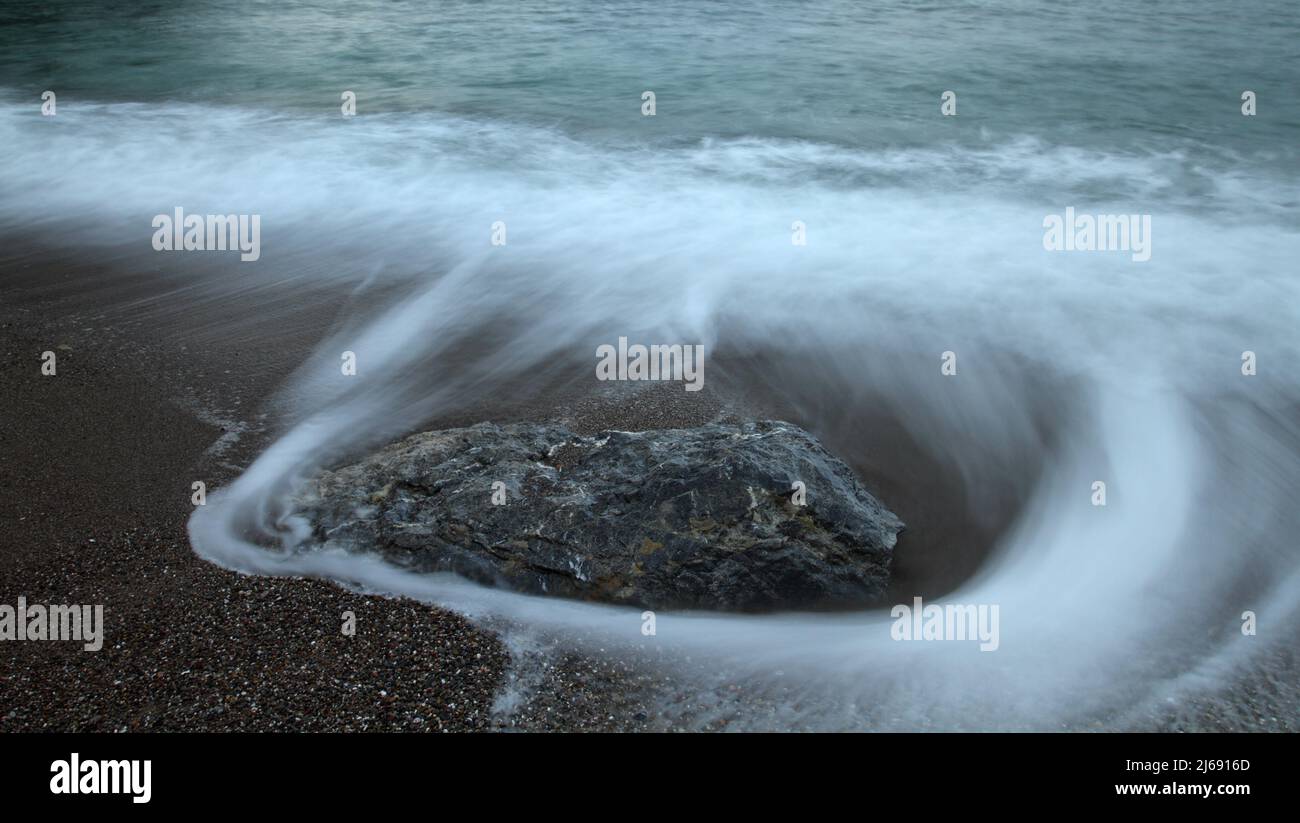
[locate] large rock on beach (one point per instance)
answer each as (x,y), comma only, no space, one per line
(699,518)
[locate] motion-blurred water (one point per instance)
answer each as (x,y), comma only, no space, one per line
(924,236)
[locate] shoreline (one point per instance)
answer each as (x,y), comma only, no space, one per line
(100,459)
(188,646)
(153,392)
(132,417)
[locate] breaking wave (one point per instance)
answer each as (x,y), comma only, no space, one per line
(910,253)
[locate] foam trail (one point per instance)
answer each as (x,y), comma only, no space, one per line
(910,253)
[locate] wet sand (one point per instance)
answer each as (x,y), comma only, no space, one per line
(159,384)
(97,463)
(163,381)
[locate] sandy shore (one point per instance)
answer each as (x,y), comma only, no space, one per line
(162,381)
(159,385)
(97,466)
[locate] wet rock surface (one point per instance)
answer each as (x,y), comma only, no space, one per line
(703,517)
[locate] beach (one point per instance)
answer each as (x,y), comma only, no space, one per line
(191,646)
(194,647)
(1027,273)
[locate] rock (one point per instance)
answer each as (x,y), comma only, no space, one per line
(675,518)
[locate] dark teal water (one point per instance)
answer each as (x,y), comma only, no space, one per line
(1151,76)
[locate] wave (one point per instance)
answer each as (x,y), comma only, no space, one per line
(910,253)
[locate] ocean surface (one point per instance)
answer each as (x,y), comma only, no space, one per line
(924,235)
(1161,76)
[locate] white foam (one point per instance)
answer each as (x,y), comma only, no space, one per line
(909,254)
